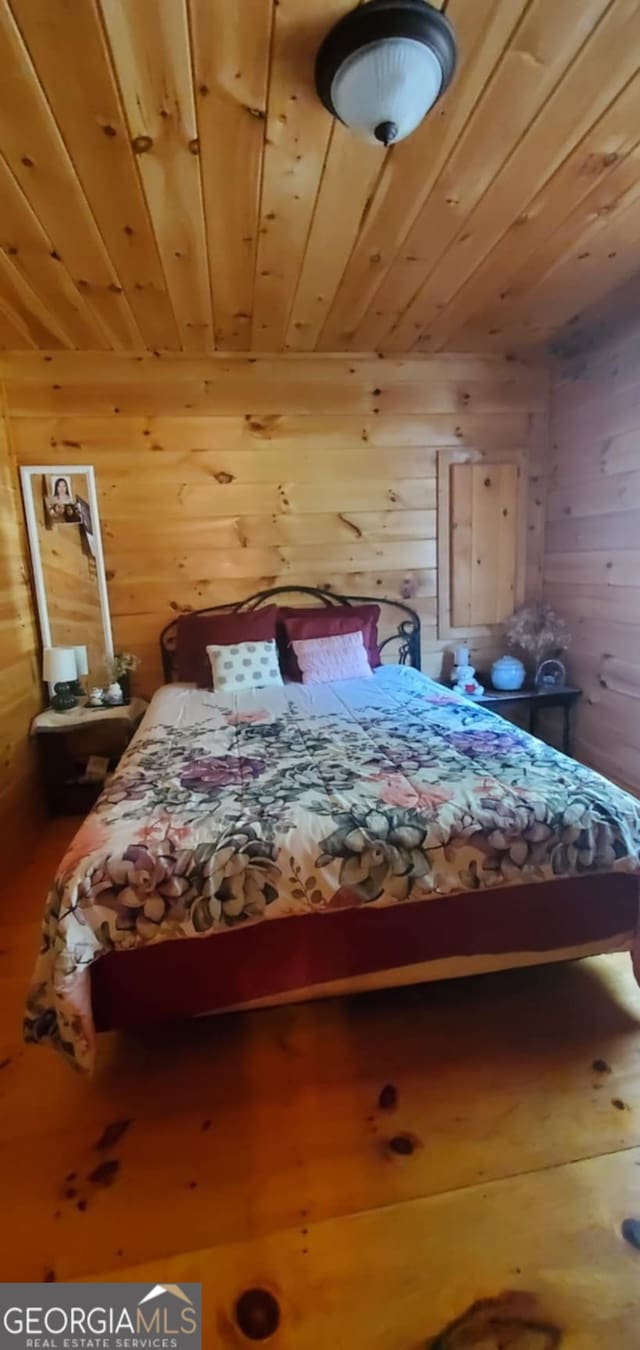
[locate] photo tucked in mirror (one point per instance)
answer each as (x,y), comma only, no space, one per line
(67,552)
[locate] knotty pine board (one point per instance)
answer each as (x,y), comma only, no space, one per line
(221,476)
(592,558)
(20,688)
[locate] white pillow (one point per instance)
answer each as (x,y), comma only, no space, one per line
(244,665)
(342,656)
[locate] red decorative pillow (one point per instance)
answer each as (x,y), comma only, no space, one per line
(198,631)
(300,624)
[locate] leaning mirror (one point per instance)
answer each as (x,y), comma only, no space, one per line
(63,525)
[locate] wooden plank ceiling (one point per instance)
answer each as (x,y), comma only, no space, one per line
(169,181)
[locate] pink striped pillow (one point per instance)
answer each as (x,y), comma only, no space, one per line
(341,657)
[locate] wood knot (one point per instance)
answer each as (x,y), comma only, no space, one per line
(140,144)
(512,1319)
(403,1144)
(111,1135)
(194,146)
(388,1098)
(109,130)
(601,1066)
(105,1173)
(257,1313)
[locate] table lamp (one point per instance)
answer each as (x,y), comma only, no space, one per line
(82,668)
(59,669)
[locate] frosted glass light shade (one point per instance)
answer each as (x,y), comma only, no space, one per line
(394,81)
(384,64)
(82,663)
(59,665)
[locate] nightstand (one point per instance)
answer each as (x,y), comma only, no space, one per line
(564,696)
(67,740)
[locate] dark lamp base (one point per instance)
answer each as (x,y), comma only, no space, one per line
(63,699)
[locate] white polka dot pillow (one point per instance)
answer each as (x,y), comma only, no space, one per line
(244,665)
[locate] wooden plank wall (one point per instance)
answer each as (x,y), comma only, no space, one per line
(592,559)
(20,687)
(218,476)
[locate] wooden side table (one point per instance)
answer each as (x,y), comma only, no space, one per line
(565,697)
(67,740)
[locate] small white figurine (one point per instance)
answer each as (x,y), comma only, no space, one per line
(113,694)
(96,697)
(463,675)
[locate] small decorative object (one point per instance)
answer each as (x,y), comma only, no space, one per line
(384,65)
(86,526)
(59,670)
(60,503)
(538,630)
(461,655)
(508,673)
(96,697)
(463,675)
(551,674)
(82,668)
(120,668)
(113,695)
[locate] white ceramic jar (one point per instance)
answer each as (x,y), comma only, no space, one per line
(507,673)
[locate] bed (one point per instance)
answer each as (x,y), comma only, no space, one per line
(400,832)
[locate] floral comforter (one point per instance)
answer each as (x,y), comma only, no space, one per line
(232,809)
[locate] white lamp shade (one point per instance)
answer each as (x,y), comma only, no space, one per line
(393,80)
(59,665)
(82,663)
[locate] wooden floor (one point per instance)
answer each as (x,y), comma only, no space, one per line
(261,1152)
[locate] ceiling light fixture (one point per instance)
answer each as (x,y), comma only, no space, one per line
(384,65)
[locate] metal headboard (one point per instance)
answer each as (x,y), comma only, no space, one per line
(407,635)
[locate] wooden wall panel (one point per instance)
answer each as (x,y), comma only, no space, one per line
(219,476)
(592,558)
(20,688)
(484,543)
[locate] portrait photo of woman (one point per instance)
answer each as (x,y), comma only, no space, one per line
(60,501)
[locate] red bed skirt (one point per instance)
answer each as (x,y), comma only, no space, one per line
(186,978)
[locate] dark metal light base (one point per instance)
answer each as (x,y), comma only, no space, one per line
(63,699)
(375,21)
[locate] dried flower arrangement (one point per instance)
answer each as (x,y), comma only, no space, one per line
(122,664)
(537,629)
